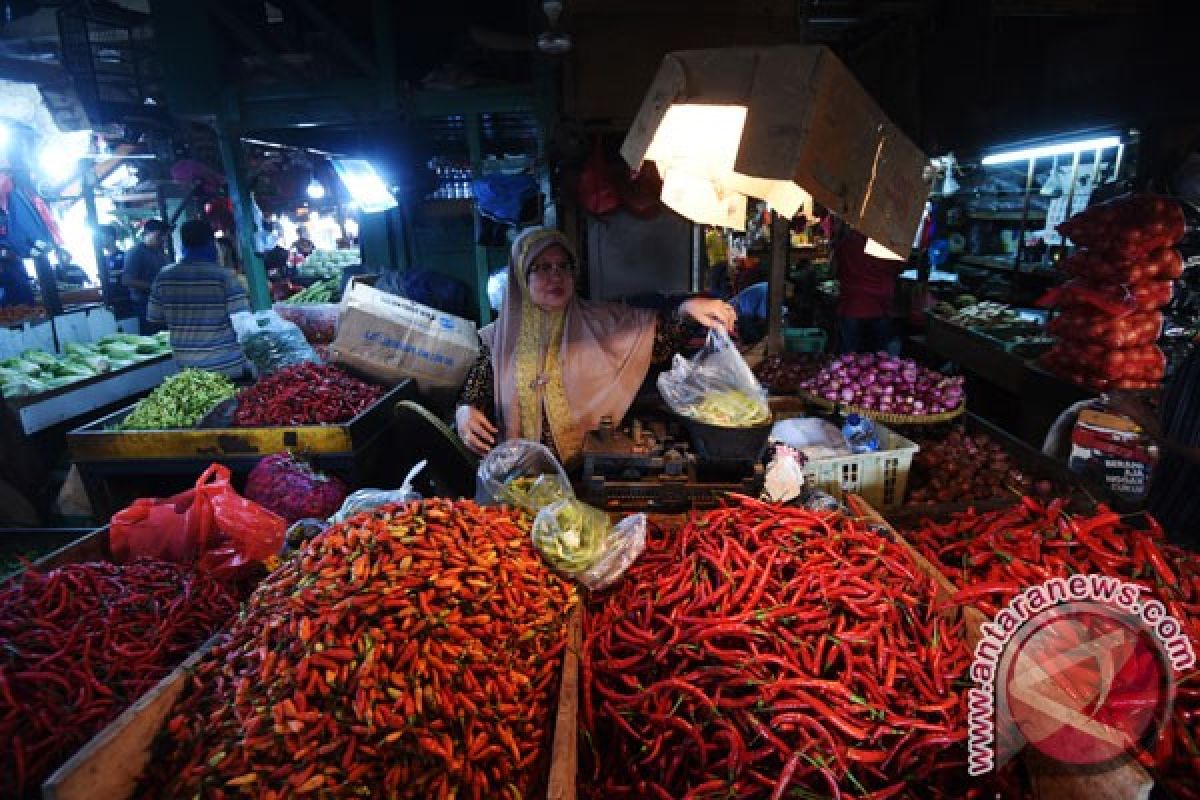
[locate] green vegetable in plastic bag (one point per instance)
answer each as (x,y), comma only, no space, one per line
(570,534)
(729,408)
(532,492)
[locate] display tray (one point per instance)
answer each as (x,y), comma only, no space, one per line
(108,766)
(40,411)
(96,442)
(1085,494)
(882,416)
(75,547)
(1120,778)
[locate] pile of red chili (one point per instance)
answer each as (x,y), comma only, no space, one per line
(305,394)
(762,652)
(992,556)
(80,643)
(411,651)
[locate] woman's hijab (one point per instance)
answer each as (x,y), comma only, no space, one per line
(576,365)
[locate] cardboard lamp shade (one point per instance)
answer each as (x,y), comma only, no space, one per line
(786,124)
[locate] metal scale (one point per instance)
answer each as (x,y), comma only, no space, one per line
(649,465)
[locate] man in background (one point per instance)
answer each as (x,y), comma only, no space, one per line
(195,298)
(866,287)
(142,265)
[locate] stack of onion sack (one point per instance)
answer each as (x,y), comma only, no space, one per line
(992,556)
(80,644)
(762,651)
(1121,276)
(411,651)
(305,394)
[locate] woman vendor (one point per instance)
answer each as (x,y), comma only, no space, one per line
(553,364)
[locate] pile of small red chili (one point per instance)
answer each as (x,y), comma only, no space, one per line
(305,394)
(763,652)
(80,643)
(411,651)
(994,555)
(965,467)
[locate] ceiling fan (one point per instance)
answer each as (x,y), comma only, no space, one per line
(552,41)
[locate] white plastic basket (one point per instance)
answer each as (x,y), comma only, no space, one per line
(880,477)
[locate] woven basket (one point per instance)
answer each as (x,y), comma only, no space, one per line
(883,416)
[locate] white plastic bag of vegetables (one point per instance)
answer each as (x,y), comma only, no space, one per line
(270,342)
(715,386)
(522,473)
(578,540)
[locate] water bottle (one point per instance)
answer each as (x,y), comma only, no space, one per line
(859,433)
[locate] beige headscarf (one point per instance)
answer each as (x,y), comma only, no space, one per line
(576,365)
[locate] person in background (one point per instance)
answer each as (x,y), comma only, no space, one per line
(15,286)
(67,272)
(227,258)
(867,286)
(195,298)
(303,245)
(1174,499)
(114,265)
(752,308)
(142,265)
(552,364)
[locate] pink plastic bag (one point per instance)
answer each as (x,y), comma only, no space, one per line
(155,528)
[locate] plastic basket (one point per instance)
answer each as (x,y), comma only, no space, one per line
(804,340)
(879,477)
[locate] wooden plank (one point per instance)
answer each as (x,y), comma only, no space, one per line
(565,755)
(108,767)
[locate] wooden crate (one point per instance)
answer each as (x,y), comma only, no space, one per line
(91,547)
(108,767)
(1051,780)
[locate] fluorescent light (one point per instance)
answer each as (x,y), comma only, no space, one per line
(315,190)
(364,185)
(1051,150)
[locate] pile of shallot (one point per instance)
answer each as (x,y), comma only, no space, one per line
(880,382)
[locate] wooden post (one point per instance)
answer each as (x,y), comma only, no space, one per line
(781,237)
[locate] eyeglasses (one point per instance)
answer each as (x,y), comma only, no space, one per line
(548,267)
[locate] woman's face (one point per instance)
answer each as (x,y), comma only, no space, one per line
(551,280)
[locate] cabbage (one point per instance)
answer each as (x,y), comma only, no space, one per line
(293,490)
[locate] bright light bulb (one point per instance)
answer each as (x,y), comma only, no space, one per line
(702,139)
(315,189)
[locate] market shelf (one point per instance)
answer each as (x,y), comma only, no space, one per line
(1007,216)
(1003,263)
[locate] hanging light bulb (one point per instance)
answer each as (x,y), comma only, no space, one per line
(316,190)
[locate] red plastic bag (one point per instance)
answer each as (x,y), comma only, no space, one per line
(155,528)
(236,532)
(210,524)
(640,192)
(598,192)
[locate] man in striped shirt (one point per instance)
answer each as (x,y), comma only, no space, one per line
(195,298)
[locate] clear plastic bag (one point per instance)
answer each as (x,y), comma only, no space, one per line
(524,474)
(715,386)
(317,321)
(578,540)
(371,499)
(271,342)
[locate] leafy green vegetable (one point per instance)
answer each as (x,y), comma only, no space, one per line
(180,402)
(570,535)
(533,492)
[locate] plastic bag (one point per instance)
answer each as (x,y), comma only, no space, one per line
(715,386)
(271,342)
(524,474)
(598,192)
(317,321)
(371,499)
(210,524)
(235,532)
(579,541)
(156,528)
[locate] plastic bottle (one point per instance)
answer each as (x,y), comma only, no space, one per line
(859,433)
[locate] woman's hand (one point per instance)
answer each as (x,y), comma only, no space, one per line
(710,312)
(475,429)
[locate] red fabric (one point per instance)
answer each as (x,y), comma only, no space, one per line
(867,284)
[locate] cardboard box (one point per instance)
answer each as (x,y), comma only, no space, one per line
(807,120)
(390,338)
(1114,451)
